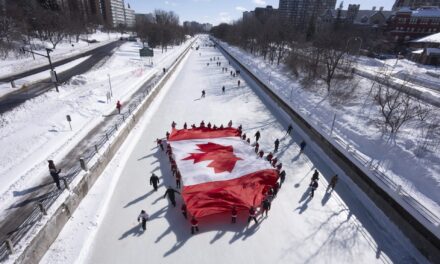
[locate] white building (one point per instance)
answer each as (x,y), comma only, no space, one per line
(130,18)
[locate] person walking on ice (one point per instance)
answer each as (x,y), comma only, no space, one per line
(333,182)
(265,206)
(143,216)
(257,135)
(234,214)
(203,94)
(289,129)
(171,195)
(302,146)
(252,215)
(313,186)
(184,211)
(238,82)
(223,89)
(277,144)
(194,225)
(154,180)
(282,177)
(315,176)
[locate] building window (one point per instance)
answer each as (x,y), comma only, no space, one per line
(413,21)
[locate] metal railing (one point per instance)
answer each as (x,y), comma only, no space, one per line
(100,145)
(374,169)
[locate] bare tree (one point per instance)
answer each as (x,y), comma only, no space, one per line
(396,108)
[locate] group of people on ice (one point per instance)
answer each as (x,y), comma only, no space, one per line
(233,73)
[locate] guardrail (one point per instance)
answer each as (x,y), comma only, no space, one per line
(100,145)
(366,175)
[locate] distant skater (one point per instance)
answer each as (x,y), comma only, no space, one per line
(252,215)
(184,211)
(282,177)
(154,180)
(302,146)
(257,135)
(223,89)
(234,215)
(313,186)
(203,94)
(289,129)
(194,225)
(333,182)
(171,195)
(238,82)
(143,216)
(277,144)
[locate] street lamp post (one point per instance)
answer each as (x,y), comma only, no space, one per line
(53,74)
(110,85)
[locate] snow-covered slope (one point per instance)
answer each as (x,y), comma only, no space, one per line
(338,227)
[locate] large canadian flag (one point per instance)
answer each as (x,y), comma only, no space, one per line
(219,170)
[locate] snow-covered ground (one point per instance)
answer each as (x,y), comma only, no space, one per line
(355,127)
(338,227)
(64,49)
(6,88)
(37,130)
(419,75)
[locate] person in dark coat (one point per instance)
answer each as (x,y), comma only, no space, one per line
(302,146)
(315,176)
(269,157)
(238,82)
(274,162)
(252,215)
(159,143)
(257,146)
(184,211)
(333,182)
(257,136)
(275,189)
(289,129)
(178,179)
(234,214)
(203,93)
(261,154)
(171,195)
(194,225)
(314,186)
(282,177)
(185,126)
(173,125)
(277,144)
(265,205)
(118,106)
(154,180)
(279,166)
(54,173)
(144,217)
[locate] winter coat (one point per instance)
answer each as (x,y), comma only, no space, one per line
(143,216)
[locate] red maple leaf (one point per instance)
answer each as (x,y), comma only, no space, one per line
(223,158)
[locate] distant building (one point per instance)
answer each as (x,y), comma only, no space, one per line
(426,50)
(407,24)
(248,15)
(300,13)
(261,13)
(354,16)
(130,17)
(414,4)
(264,13)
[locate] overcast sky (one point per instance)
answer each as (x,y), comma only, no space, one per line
(217,11)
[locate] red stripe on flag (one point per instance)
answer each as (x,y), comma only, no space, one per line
(201,133)
(218,197)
